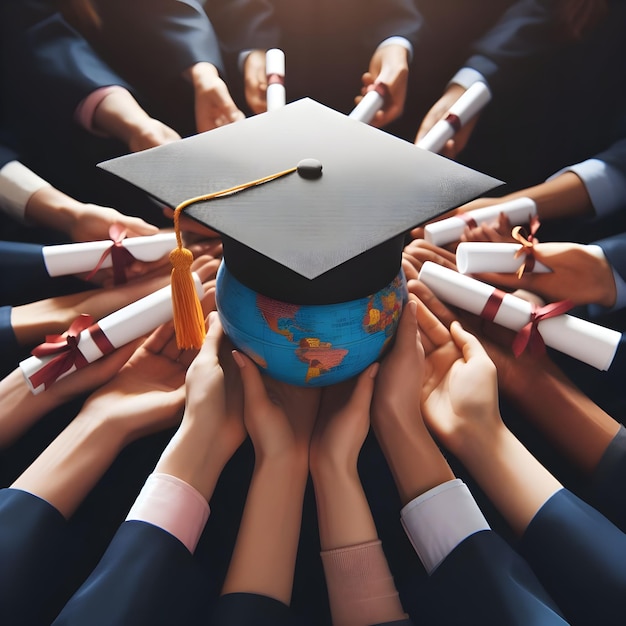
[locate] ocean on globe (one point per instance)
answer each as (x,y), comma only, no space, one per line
(309,345)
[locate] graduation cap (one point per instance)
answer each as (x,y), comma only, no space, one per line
(313,206)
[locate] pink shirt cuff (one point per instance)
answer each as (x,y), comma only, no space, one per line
(86,109)
(173,505)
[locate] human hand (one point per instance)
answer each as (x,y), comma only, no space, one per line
(419,251)
(255,81)
(278,417)
(148,393)
(438,112)
(92,223)
(460,394)
(214,105)
(578,274)
(389,65)
(120,116)
(343,423)
(497,231)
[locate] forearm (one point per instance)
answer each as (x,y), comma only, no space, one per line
(119,115)
(568,418)
(560,197)
(343,513)
(413,457)
(20,408)
(67,470)
(52,208)
(263,560)
(515,482)
(197,454)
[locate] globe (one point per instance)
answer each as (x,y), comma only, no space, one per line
(309,345)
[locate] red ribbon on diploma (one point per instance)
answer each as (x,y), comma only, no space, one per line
(66,347)
(529,335)
(528,245)
(121,258)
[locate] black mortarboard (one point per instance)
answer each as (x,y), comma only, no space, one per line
(307,237)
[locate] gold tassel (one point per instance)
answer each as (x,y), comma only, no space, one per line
(188,315)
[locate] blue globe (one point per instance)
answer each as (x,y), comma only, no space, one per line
(309,345)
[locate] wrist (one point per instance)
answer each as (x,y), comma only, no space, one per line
(52,208)
(201,73)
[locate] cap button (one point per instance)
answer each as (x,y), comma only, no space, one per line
(310,168)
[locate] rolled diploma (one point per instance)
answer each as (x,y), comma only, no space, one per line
(364,112)
(519,211)
(578,338)
(275,66)
(120,327)
(464,109)
(73,258)
(473,257)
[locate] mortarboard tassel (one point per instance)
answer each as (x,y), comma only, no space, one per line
(187,309)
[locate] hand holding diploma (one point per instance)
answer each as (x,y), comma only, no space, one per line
(463,110)
(86,342)
(582,340)
(518,211)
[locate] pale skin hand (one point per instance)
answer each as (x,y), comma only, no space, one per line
(460,405)
(214,106)
(32,322)
(120,116)
(438,112)
(21,408)
(255,81)
(82,222)
(279,422)
(212,428)
(389,65)
(146,396)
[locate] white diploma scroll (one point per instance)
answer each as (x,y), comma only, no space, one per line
(75,258)
(578,338)
(474,257)
(275,71)
(119,328)
(461,112)
(371,102)
(519,211)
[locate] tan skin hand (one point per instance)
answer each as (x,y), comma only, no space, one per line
(437,112)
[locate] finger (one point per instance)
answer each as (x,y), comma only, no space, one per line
(436,306)
(361,397)
(469,345)
(208,300)
(253,388)
(159,338)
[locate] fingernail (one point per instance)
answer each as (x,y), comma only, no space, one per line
(238,359)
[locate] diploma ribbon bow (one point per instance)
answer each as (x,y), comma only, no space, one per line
(65,346)
(121,257)
(528,245)
(529,335)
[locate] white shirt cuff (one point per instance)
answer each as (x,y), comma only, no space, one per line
(467,76)
(173,505)
(17,185)
(398,41)
(440,519)
(605,184)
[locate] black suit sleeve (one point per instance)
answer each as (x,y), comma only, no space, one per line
(579,556)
